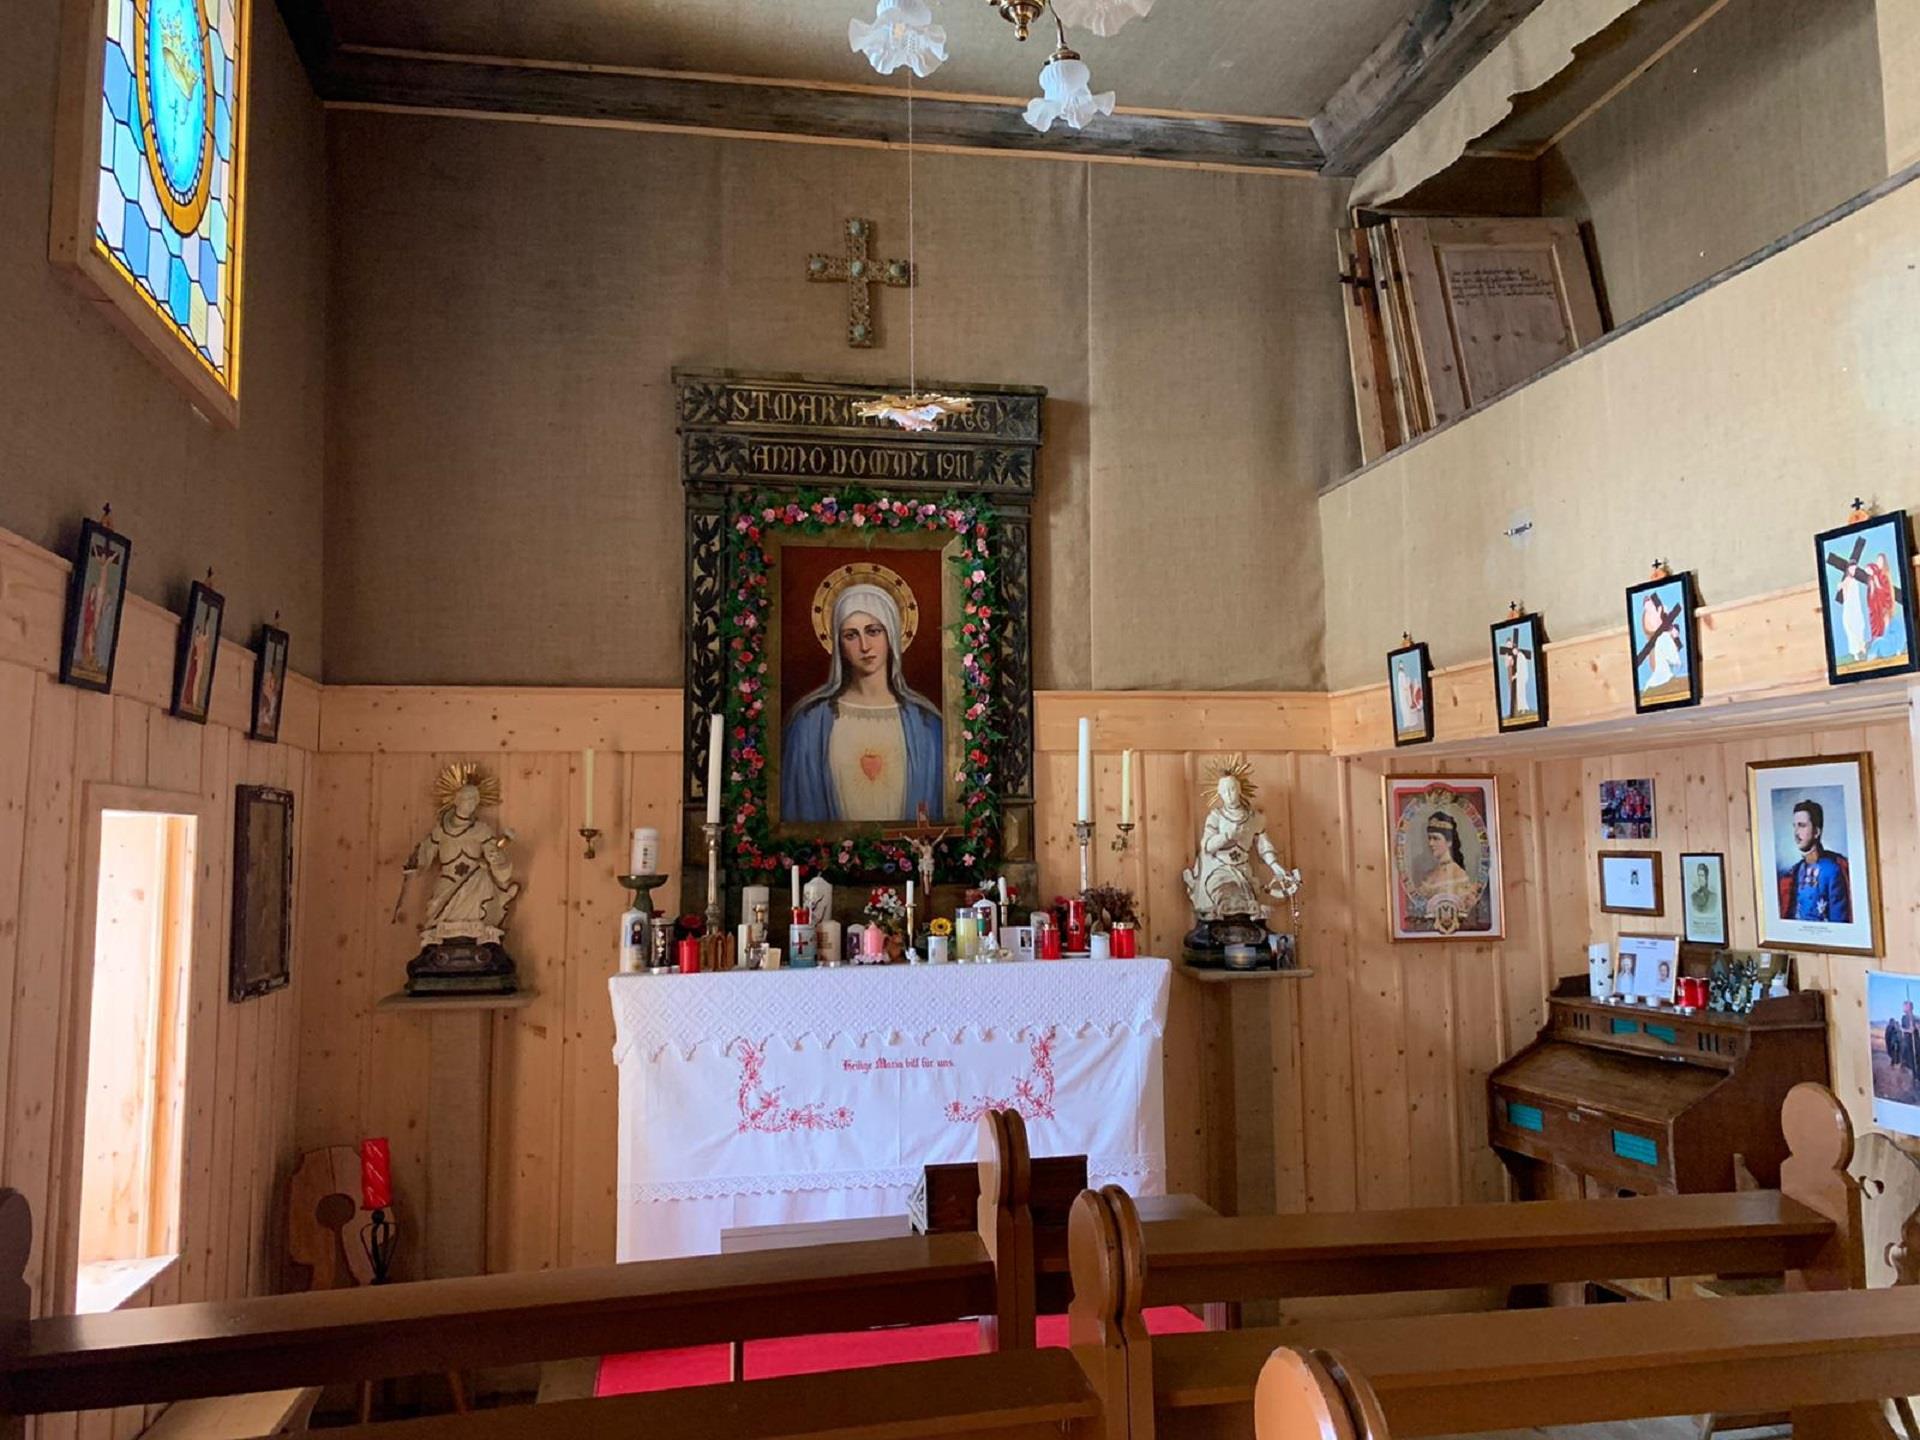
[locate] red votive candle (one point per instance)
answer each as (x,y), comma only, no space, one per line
(376,1175)
(688,953)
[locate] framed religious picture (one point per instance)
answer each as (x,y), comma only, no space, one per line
(1626,809)
(1660,635)
(269,684)
(1443,858)
(1648,969)
(865,643)
(261,953)
(198,650)
(149,180)
(95,596)
(1520,673)
(1630,882)
(1409,679)
(1893,1049)
(1816,862)
(1703,879)
(1866,598)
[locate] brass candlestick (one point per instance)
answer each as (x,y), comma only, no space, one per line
(1124,839)
(712,827)
(590,835)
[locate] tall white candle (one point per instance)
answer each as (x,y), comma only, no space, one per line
(586,772)
(1086,769)
(1126,787)
(796,887)
(909,906)
(714,739)
(1003,899)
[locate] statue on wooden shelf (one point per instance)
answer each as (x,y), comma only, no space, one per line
(473,888)
(1228,902)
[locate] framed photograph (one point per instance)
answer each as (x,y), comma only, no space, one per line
(1660,632)
(1630,882)
(1893,1046)
(1816,862)
(1520,673)
(1738,980)
(1409,682)
(269,684)
(1866,598)
(1703,878)
(197,654)
(1648,969)
(1626,809)
(1443,858)
(95,597)
(262,948)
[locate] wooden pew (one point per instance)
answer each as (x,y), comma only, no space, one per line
(1204,1383)
(1825,1358)
(178,1352)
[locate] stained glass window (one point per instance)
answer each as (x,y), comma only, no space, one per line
(166,213)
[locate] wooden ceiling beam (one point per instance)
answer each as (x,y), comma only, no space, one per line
(1407,74)
(355,75)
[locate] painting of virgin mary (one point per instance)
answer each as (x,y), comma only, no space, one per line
(864,745)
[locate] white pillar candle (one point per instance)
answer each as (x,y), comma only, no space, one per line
(1003,899)
(586,771)
(1085,811)
(644,855)
(827,940)
(909,908)
(1126,787)
(714,739)
(796,887)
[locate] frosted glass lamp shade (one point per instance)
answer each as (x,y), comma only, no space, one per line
(1100,17)
(1065,94)
(901,33)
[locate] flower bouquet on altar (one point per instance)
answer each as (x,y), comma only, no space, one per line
(888,912)
(1108,906)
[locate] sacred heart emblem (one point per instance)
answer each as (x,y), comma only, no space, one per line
(871,765)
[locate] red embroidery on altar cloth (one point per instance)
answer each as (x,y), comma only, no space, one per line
(1032,1092)
(761,1110)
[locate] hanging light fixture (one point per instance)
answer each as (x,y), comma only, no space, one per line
(901,33)
(914,410)
(1066,91)
(1100,17)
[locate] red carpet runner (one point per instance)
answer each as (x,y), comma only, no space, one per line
(647,1370)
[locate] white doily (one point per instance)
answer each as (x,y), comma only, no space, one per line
(886,1004)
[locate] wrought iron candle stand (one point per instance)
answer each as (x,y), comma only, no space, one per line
(1123,840)
(714,919)
(378,1237)
(1083,833)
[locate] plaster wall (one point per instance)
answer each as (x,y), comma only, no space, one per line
(508,301)
(1765,117)
(1721,436)
(94,421)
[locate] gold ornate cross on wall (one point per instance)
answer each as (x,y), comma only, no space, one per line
(860,272)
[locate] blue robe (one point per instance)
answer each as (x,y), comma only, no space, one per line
(807,793)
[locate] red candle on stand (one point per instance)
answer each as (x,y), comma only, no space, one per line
(376,1175)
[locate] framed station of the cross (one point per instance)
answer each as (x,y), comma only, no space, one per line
(149,180)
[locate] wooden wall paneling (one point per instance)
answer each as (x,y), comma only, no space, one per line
(254,1062)
(525,1153)
(341,908)
(1378,1023)
(396,1067)
(18,689)
(173,763)
(593,922)
(1566,814)
(1324,843)
(397,719)
(130,722)
(1531,935)
(1055,791)
(1166,807)
(207,985)
(217,770)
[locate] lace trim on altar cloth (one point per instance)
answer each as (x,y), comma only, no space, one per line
(888,1005)
(1147,1172)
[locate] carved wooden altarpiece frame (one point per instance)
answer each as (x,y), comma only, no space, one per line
(748,443)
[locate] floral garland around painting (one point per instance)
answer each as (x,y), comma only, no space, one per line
(743,629)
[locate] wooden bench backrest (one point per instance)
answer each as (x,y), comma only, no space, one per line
(178,1352)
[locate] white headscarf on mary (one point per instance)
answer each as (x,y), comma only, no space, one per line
(865,745)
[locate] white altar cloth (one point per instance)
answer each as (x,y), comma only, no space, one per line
(751,1098)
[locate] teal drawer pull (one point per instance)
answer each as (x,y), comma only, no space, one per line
(1636,1148)
(1526,1117)
(1664,1032)
(1626,1027)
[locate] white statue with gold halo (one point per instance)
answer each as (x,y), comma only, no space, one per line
(1221,880)
(473,878)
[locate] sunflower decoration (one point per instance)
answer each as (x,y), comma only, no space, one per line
(940,925)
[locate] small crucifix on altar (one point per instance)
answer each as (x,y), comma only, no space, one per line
(922,835)
(860,272)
